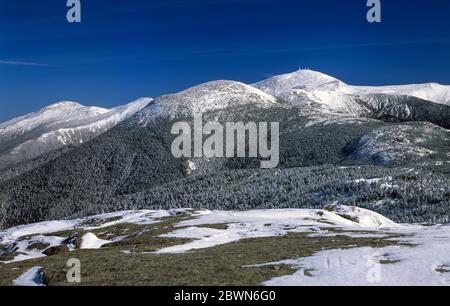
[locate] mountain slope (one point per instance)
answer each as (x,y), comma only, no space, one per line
(57,126)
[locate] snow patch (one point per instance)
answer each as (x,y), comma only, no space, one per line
(421,265)
(271,223)
(32,277)
(90,241)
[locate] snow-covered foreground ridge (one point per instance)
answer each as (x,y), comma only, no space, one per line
(421,256)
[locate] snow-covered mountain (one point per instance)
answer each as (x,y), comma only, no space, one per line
(282,85)
(206,97)
(433,92)
(321,153)
(69,123)
(306,87)
(56,126)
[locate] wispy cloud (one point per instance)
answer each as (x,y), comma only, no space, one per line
(169,56)
(19,63)
(313,48)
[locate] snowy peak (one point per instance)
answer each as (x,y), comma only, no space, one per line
(58,125)
(50,115)
(206,97)
(218,95)
(62,105)
(307,87)
(304,86)
(282,85)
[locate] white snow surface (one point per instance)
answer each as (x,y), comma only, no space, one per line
(425,264)
(282,85)
(424,259)
(38,232)
(421,255)
(58,125)
(364,217)
(31,278)
(269,223)
(47,227)
(90,241)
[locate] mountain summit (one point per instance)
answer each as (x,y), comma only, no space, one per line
(215,95)
(314,86)
(58,125)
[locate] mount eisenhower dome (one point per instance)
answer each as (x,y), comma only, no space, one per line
(211,96)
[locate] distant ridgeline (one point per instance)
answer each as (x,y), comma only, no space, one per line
(381,148)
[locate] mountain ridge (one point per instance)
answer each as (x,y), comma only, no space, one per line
(58,125)
(311,81)
(326,155)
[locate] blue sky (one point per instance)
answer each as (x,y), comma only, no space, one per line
(126,49)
